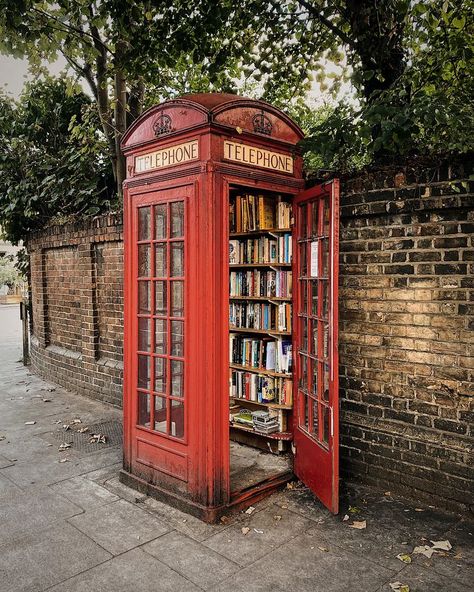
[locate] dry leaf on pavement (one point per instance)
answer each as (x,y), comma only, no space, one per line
(245,530)
(359,525)
(404,557)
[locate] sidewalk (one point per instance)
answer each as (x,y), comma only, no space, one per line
(68,525)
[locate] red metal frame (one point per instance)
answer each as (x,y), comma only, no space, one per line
(316,460)
(193,472)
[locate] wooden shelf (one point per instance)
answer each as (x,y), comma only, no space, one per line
(259,331)
(260,371)
(260,231)
(271,405)
(272,436)
(262,298)
(259,265)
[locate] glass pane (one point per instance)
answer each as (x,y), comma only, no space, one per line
(144,224)
(314,428)
(177,219)
(325,298)
(144,409)
(315,378)
(303,259)
(304,296)
(160,375)
(177,338)
(160,260)
(304,334)
(324,245)
(143,297)
(315,338)
(314,219)
(160,221)
(144,371)
(326,216)
(144,335)
(326,382)
(326,340)
(326,423)
(177,259)
(177,419)
(304,221)
(303,372)
(160,298)
(160,414)
(143,260)
(177,378)
(160,336)
(304,415)
(177,299)
(314,298)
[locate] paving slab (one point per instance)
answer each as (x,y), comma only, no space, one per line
(119,526)
(44,558)
(8,489)
(301,566)
(191,559)
(84,492)
(269,528)
(134,571)
(421,579)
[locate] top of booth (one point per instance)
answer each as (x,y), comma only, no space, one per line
(228,112)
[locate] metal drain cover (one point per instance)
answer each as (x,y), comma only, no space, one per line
(112,430)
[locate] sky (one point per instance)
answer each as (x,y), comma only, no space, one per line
(14,73)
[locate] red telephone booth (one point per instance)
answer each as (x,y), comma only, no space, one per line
(231,382)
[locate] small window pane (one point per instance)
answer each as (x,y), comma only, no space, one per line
(325,298)
(303,372)
(304,260)
(177,338)
(143,297)
(315,338)
(177,298)
(160,221)
(144,335)
(314,219)
(304,220)
(160,336)
(144,409)
(144,371)
(160,260)
(314,298)
(324,244)
(327,211)
(177,259)
(144,224)
(160,375)
(160,414)
(315,378)
(326,341)
(177,378)
(326,424)
(326,382)
(304,296)
(177,219)
(177,419)
(143,260)
(304,412)
(314,429)
(304,334)
(160,298)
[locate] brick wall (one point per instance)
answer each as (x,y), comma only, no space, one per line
(77,306)
(406,325)
(406,331)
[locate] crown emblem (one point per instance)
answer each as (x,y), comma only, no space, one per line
(162,125)
(262,125)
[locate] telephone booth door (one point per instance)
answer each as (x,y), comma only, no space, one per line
(315,272)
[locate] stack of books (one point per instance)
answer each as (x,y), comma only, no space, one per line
(267,284)
(261,250)
(264,422)
(248,213)
(261,353)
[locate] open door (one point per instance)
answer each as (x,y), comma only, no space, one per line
(315,273)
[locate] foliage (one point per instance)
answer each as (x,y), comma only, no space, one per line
(51,158)
(9,275)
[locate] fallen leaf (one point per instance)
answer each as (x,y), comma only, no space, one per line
(245,529)
(404,557)
(2,438)
(258,531)
(388,493)
(419,510)
(277,518)
(442,545)
(346,517)
(399,587)
(98,439)
(323,549)
(64,446)
(63,460)
(58,421)
(359,525)
(238,130)
(83,430)
(250,510)
(46,400)
(224,519)
(30,422)
(76,421)
(354,510)
(425,550)
(66,427)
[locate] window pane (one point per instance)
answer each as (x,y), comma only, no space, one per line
(303,372)
(325,382)
(144,409)
(160,221)
(160,298)
(324,245)
(160,414)
(315,378)
(314,298)
(177,378)
(326,424)
(315,338)
(143,260)
(160,375)
(144,371)
(177,419)
(304,334)
(304,260)
(314,219)
(177,259)
(144,224)
(325,298)
(326,341)
(160,260)
(143,297)
(177,219)
(177,338)
(144,335)
(177,299)
(304,220)
(315,425)
(304,411)
(160,336)
(304,296)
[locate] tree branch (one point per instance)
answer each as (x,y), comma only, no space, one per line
(314,12)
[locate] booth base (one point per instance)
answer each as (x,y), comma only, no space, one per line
(239,499)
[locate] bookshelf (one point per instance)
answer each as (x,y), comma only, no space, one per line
(260,296)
